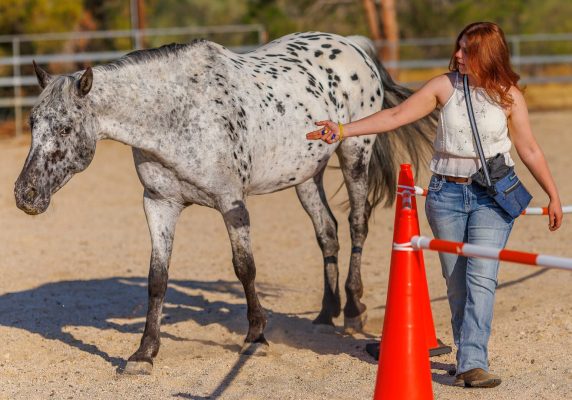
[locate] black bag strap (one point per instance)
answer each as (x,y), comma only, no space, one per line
(475,131)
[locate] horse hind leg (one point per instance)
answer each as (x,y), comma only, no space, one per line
(354,164)
(313,198)
(237,221)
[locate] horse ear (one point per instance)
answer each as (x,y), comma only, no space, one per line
(85,82)
(43,77)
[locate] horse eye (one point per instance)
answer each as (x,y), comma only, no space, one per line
(65,131)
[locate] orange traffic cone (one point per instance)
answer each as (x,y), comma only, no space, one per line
(436,347)
(404,372)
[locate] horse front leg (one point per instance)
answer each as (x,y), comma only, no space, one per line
(237,223)
(354,169)
(162,217)
(313,198)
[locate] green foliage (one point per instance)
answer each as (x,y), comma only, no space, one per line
(446,18)
(281,17)
(429,18)
(109,14)
(38,16)
(168,13)
(272,15)
(416,18)
(553,16)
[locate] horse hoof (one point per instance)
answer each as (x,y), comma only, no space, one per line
(138,368)
(323,328)
(324,319)
(255,349)
(355,325)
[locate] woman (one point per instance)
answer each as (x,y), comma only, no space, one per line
(458,209)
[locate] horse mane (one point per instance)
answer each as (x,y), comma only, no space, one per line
(143,56)
(59,84)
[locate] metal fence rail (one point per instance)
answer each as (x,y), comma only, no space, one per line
(17,81)
(414,55)
(521,59)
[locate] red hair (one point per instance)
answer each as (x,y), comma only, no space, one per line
(488,59)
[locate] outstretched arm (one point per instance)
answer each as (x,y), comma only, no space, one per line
(532,156)
(420,104)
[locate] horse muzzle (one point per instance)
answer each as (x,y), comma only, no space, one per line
(31,199)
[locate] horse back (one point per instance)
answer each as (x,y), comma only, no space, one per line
(280,90)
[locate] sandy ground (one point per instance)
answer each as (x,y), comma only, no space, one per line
(73,296)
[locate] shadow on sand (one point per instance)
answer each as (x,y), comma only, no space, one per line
(49,310)
(503,285)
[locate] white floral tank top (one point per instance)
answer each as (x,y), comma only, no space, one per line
(455,151)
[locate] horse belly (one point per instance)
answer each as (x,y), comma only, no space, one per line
(289,165)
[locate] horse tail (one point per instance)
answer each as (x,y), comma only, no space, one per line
(410,143)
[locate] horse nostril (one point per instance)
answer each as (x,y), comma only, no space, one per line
(30,194)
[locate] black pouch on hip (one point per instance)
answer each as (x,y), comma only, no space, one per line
(500,180)
(497,169)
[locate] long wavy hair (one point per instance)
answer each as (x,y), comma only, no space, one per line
(488,59)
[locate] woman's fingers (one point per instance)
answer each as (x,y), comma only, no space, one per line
(318,134)
(329,133)
(315,134)
(551,219)
(332,137)
(554,218)
(323,133)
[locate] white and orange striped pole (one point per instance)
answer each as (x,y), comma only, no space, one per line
(471,250)
(544,210)
(418,191)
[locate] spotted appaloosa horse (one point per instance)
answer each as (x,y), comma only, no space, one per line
(209,127)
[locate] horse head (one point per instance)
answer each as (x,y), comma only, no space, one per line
(63,138)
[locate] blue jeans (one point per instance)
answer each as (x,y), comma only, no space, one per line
(466,213)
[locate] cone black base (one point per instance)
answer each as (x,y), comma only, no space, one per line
(441,349)
(373,349)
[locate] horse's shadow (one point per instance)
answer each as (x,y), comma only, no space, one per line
(120,304)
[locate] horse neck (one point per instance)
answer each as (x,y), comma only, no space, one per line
(130,102)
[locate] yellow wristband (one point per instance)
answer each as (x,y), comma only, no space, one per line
(341,129)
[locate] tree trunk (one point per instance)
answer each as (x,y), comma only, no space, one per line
(391,34)
(141,21)
(372,19)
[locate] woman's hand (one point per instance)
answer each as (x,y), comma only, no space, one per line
(418,105)
(554,215)
(329,133)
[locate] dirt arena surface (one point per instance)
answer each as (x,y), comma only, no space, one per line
(73,295)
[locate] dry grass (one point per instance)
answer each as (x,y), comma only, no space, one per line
(549,96)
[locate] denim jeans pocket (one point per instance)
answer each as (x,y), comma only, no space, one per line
(435,184)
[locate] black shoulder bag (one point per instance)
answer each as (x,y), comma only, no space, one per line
(500,180)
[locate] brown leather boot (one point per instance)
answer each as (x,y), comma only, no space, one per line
(477,378)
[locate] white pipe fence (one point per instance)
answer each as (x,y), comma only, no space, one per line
(16,81)
(18,101)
